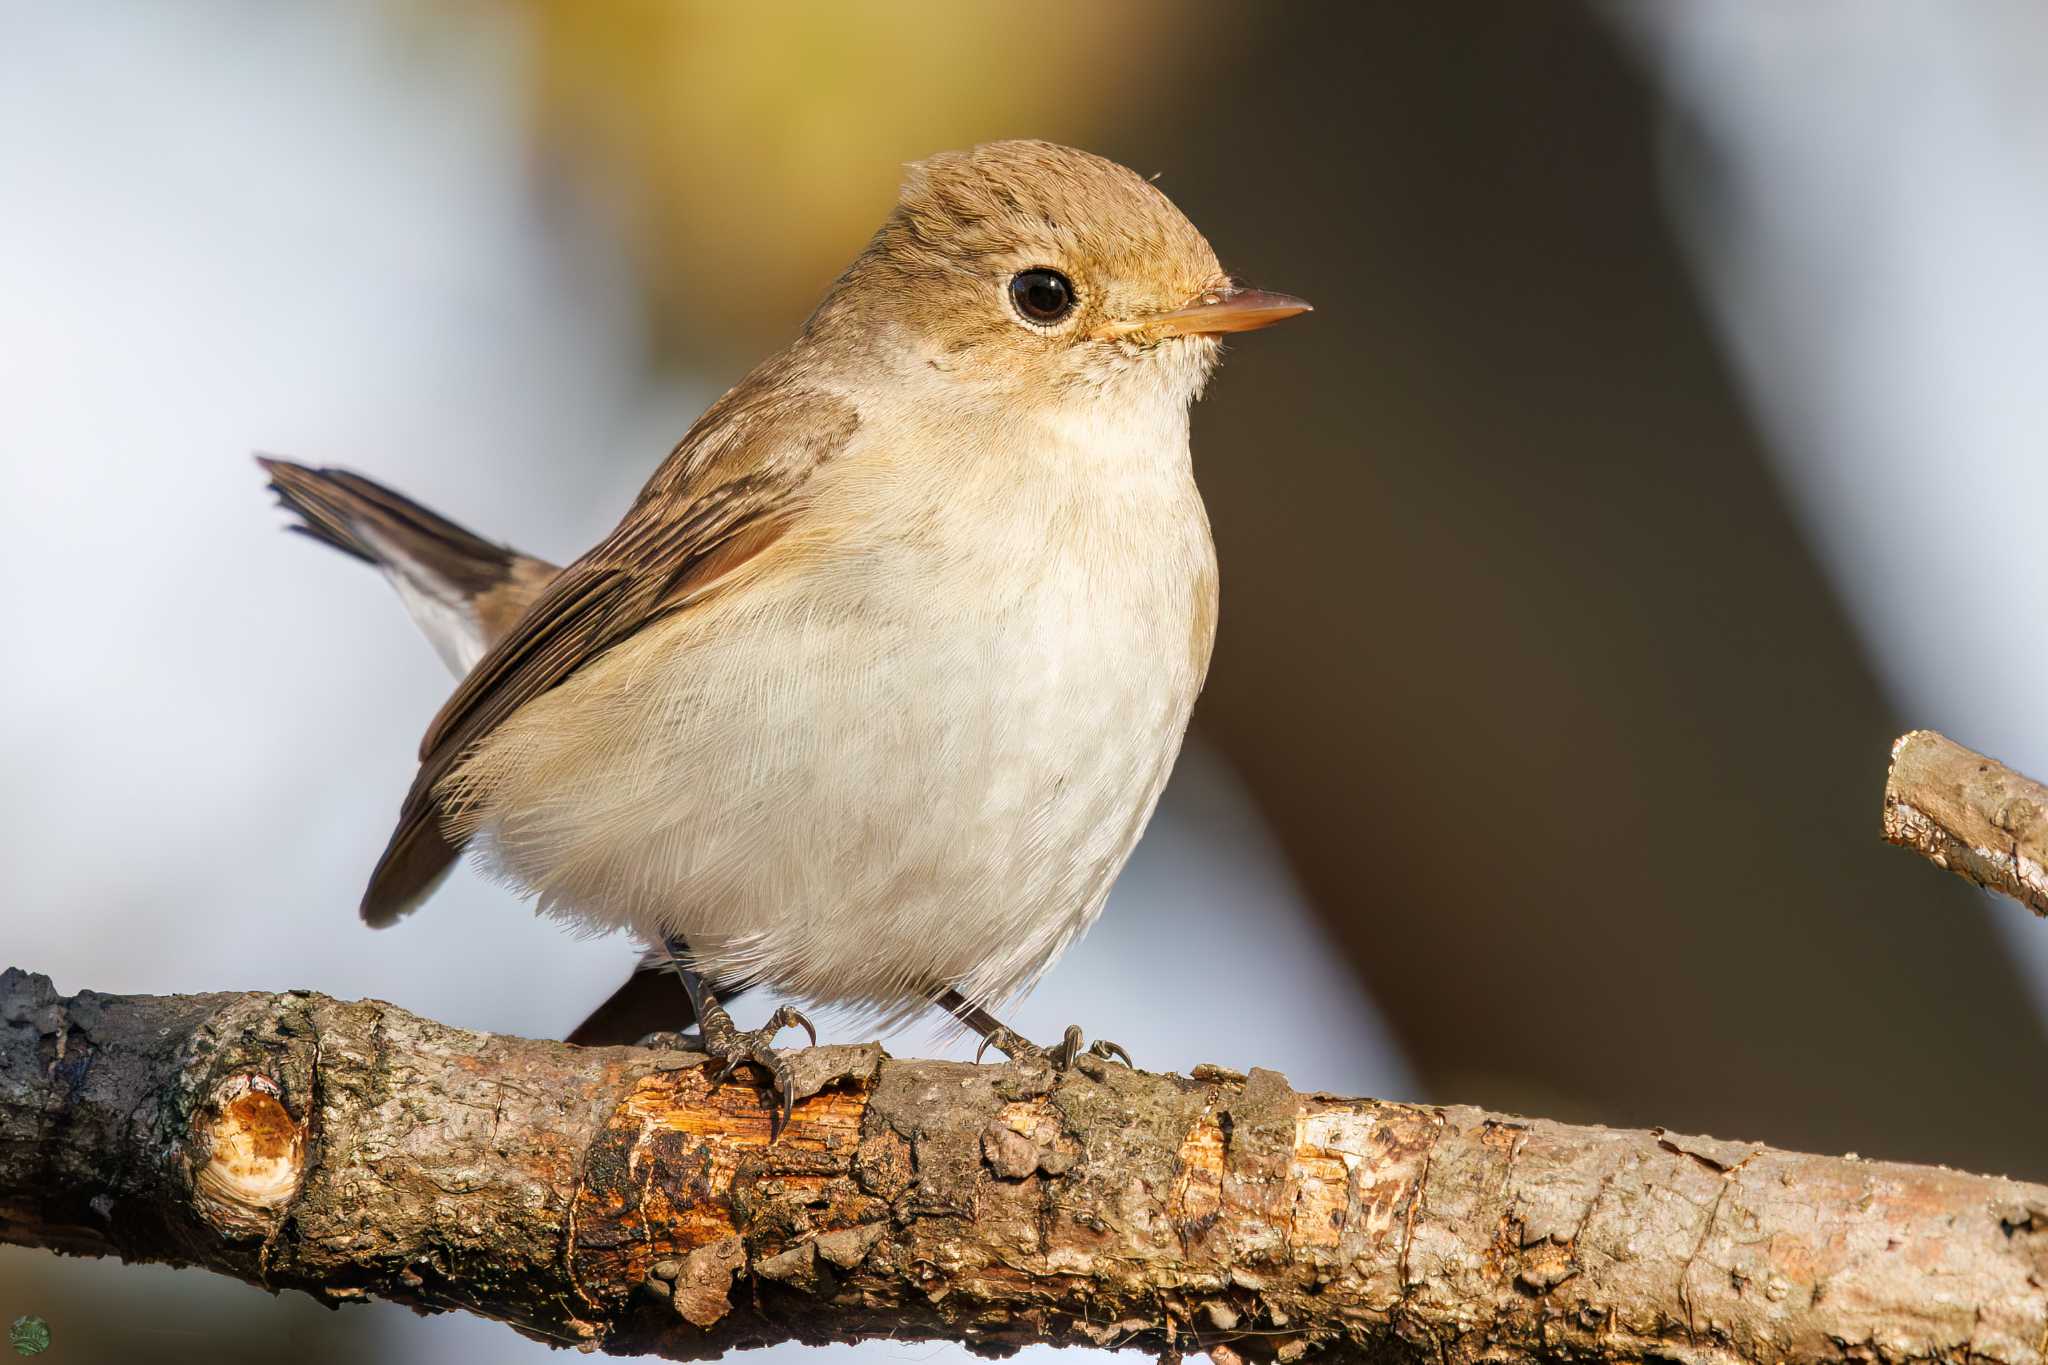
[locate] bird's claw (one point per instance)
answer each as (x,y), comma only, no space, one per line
(1061,1057)
(1002,1040)
(1110,1052)
(735,1049)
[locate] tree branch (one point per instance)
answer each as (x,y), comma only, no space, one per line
(1970,814)
(615,1198)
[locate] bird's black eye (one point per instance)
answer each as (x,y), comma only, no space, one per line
(1042,296)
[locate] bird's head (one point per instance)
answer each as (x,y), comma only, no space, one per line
(1024,268)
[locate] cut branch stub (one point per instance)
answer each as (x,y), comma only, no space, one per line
(250,1155)
(1969,814)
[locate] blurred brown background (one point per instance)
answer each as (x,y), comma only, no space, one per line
(1525,661)
(1536,676)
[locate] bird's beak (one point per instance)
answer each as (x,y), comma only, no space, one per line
(1232,307)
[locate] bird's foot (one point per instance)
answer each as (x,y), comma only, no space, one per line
(1063,1056)
(734,1048)
(1006,1040)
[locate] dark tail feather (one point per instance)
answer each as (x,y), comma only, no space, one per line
(352,513)
(651,1001)
(414,862)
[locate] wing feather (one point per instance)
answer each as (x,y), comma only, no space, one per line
(723,496)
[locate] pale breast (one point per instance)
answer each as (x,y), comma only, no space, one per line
(914,755)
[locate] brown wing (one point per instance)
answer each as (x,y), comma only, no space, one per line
(722,496)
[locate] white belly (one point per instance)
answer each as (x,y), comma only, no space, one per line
(916,764)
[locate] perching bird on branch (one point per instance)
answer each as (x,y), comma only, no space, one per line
(871,693)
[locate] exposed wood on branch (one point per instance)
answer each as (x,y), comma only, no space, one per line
(1970,814)
(614,1198)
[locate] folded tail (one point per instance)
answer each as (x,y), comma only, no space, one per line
(462,590)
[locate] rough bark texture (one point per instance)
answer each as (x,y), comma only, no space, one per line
(1970,814)
(614,1198)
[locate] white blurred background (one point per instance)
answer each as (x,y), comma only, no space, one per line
(342,233)
(231,229)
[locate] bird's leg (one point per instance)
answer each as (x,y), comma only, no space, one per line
(667,956)
(724,1042)
(1000,1036)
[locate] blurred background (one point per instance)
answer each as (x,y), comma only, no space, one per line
(1670,435)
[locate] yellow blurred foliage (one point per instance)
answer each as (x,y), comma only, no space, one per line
(748,150)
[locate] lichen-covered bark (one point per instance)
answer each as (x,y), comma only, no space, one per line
(616,1198)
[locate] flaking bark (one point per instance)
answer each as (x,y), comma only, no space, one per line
(613,1198)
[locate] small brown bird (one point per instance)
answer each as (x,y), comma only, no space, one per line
(871,693)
